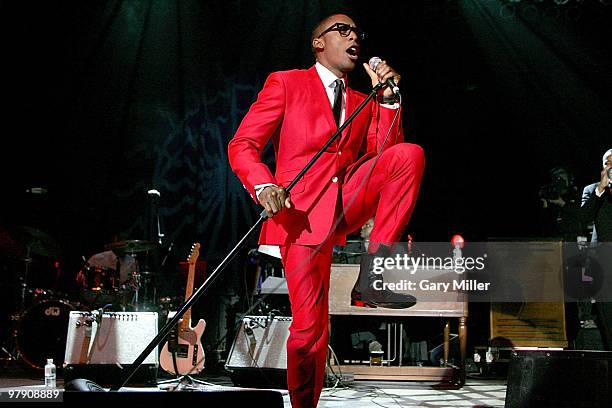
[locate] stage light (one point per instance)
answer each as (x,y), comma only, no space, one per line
(457,240)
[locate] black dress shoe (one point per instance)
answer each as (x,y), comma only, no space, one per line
(365,295)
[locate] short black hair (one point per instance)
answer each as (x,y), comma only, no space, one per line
(315,30)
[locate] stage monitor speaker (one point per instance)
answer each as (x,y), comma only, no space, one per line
(564,378)
(205,398)
(101,348)
(258,357)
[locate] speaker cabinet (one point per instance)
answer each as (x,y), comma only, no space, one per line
(258,357)
(208,398)
(558,379)
(102,348)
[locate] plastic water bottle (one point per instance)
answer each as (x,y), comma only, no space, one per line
(50,376)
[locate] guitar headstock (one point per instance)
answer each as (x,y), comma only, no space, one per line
(193,255)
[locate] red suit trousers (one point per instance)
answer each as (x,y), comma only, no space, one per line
(386,188)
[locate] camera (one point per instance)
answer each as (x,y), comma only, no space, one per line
(553,190)
(560,185)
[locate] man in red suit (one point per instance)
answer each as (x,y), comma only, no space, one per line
(299,110)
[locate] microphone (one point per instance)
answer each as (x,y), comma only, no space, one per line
(154,212)
(248,330)
(609,177)
(373,63)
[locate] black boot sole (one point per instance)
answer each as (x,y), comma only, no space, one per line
(386,305)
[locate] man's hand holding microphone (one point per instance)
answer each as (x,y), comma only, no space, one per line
(606,178)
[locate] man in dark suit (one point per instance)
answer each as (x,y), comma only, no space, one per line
(597,208)
(596,203)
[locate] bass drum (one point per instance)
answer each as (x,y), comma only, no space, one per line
(42,331)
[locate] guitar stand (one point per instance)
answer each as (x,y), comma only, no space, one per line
(184,379)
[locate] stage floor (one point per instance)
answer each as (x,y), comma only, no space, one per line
(359,394)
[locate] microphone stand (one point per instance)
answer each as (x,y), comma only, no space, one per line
(165,330)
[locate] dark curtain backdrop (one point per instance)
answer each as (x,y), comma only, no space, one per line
(106,100)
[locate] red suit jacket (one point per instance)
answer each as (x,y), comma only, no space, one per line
(294,111)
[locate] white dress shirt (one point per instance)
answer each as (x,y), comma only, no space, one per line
(329,82)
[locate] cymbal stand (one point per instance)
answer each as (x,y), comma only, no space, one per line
(9,347)
(24,280)
(149,292)
(136,283)
(145,292)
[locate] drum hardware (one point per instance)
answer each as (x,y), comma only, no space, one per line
(136,283)
(39,319)
(9,354)
(130,247)
(98,281)
(108,278)
(145,291)
(9,347)
(133,289)
(24,280)
(23,243)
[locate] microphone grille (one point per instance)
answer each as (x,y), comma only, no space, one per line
(373,63)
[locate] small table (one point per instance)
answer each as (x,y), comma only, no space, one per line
(451,304)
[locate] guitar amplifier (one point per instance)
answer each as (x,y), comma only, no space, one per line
(258,357)
(101,348)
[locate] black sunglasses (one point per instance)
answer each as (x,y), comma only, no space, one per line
(344,30)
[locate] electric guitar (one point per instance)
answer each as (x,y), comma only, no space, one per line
(184,346)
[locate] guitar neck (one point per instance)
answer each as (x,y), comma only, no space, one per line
(186,321)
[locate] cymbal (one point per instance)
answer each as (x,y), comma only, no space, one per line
(8,245)
(39,242)
(146,273)
(131,246)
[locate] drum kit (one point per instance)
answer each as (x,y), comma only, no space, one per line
(115,278)
(112,280)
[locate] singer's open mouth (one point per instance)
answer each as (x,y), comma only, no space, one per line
(353,52)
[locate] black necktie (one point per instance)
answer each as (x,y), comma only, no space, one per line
(337,108)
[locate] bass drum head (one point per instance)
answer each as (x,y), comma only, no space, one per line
(42,332)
